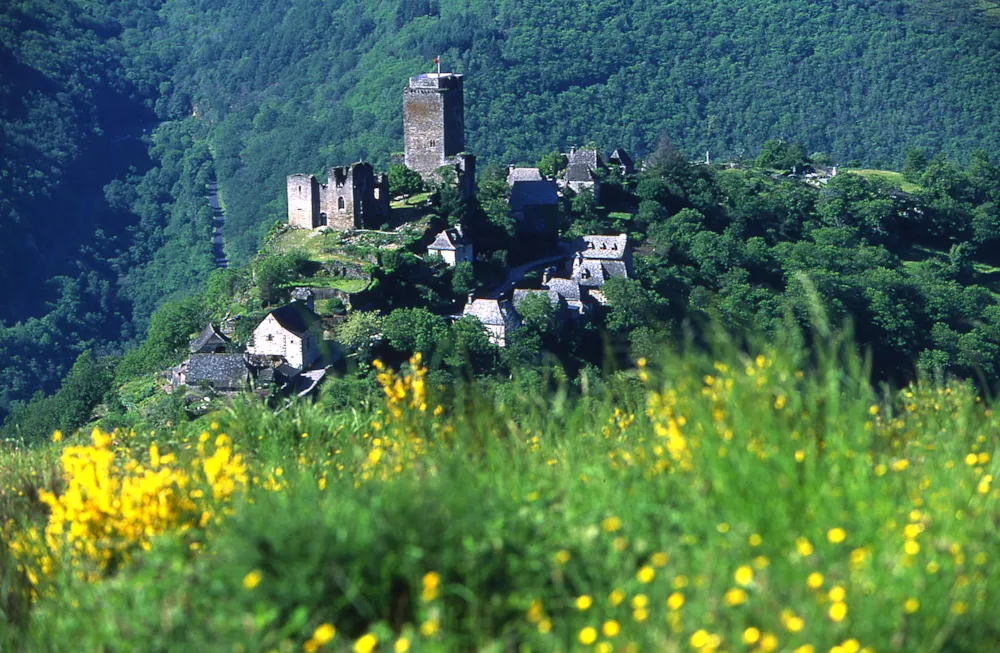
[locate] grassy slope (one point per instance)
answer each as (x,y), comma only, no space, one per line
(894,178)
(646,498)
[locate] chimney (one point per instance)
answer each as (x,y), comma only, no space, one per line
(546,275)
(471,298)
(304,296)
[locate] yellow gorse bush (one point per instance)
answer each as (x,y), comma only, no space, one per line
(114,504)
(400,430)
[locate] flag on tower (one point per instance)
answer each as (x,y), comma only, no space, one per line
(437,60)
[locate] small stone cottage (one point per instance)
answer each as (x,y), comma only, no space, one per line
(496,315)
(453,246)
(292,332)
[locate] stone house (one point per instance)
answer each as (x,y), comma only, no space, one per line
(221,372)
(209,341)
(581,171)
(497,316)
(291,332)
(532,197)
(621,160)
(354,197)
(453,246)
(599,258)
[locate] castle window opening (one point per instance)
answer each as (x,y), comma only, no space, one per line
(340,203)
(300,191)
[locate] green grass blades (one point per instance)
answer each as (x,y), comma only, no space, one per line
(763,501)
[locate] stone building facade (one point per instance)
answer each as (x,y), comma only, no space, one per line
(354,197)
(434,128)
(291,332)
(453,246)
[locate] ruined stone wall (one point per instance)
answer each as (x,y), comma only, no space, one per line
(339,204)
(303,193)
(382,198)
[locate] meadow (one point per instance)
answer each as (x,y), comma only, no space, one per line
(752,499)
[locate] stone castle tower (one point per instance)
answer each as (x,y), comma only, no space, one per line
(434,128)
(353,198)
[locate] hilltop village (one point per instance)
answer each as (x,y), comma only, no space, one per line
(434,254)
(293,346)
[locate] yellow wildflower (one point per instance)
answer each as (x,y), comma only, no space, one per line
(323,633)
(837,611)
(584,602)
(366,643)
(588,636)
(610,628)
(734,596)
(251,580)
(744,575)
(836,535)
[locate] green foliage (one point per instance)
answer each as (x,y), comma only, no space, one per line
(494,198)
(403,181)
(412,330)
(552,164)
(781,155)
(170,330)
(463,280)
(914,164)
(84,387)
(530,500)
(538,315)
(274,272)
(358,332)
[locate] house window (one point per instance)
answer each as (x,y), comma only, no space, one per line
(340,203)
(434,143)
(300,191)
(269,337)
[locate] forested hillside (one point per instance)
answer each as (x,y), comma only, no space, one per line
(101,221)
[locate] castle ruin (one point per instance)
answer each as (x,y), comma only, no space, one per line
(434,129)
(353,197)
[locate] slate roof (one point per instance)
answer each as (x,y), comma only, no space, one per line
(492,312)
(523,174)
(208,341)
(533,193)
(295,317)
(222,371)
(568,289)
(620,157)
(602,247)
(449,239)
(582,164)
(594,272)
(520,294)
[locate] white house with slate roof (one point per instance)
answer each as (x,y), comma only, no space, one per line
(453,246)
(496,315)
(291,332)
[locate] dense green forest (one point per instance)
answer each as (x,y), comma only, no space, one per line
(115,116)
